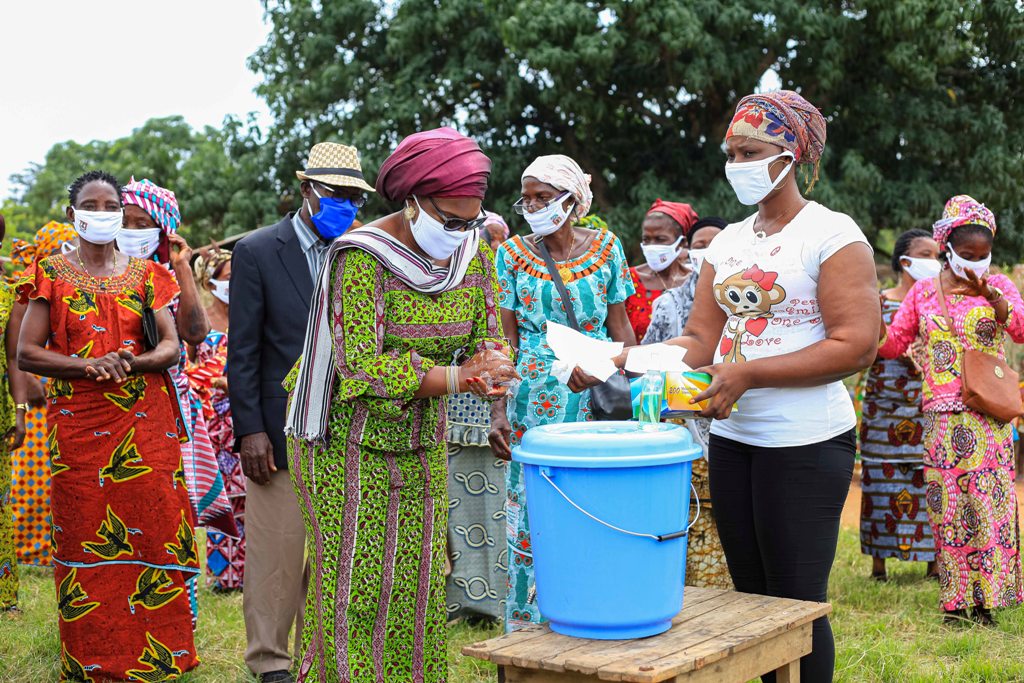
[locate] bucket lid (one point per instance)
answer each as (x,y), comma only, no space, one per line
(606,444)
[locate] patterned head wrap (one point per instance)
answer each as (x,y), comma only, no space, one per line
(563,173)
(435,163)
(208,263)
(962,210)
(494,219)
(48,241)
(786,119)
(158,202)
(683,214)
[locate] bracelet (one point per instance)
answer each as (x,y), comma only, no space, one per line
(452,379)
(21,406)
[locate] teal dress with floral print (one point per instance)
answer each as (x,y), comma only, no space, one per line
(599,278)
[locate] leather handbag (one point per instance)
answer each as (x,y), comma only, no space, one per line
(987,384)
(610,400)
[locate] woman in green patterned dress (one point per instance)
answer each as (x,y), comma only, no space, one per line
(12,434)
(399,303)
(555,199)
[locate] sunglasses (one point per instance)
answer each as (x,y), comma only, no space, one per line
(456,224)
(340,193)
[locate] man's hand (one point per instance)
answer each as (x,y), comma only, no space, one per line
(258,457)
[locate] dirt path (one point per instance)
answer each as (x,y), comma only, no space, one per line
(851,511)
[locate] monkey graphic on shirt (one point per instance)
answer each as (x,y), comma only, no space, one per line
(749,297)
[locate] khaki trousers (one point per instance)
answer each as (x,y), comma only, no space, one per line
(276,574)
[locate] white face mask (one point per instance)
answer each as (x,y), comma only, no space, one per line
(697,259)
(751,180)
(99,227)
(960,266)
(219,288)
(660,256)
(921,268)
(550,218)
(431,236)
(139,243)
(67,247)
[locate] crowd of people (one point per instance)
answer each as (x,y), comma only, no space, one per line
(347,449)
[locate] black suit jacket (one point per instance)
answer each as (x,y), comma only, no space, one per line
(270,295)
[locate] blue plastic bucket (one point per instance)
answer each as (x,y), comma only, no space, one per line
(583,479)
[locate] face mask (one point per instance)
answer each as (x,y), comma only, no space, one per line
(220,289)
(960,266)
(431,236)
(922,268)
(697,259)
(139,243)
(334,217)
(67,247)
(548,219)
(99,227)
(751,180)
(660,256)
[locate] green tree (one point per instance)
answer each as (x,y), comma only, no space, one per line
(220,175)
(921,95)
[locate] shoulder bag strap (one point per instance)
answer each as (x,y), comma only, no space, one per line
(942,304)
(559,285)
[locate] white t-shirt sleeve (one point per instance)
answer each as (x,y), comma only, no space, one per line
(834,231)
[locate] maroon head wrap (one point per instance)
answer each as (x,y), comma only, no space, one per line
(435,163)
(683,214)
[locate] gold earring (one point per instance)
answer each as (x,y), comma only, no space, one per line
(409,212)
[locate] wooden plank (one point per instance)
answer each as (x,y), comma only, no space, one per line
(514,674)
(530,653)
(636,663)
(790,673)
(591,657)
(484,648)
(769,620)
(771,655)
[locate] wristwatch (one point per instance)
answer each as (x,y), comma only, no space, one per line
(998,295)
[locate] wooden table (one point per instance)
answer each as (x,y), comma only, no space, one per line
(720,636)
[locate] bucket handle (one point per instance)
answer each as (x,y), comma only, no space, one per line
(657,537)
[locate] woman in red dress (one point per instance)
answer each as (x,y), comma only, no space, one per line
(123,546)
(665,228)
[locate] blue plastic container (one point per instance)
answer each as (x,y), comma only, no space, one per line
(594,581)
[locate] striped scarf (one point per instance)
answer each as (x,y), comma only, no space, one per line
(307,414)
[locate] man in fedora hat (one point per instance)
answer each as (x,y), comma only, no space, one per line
(272,276)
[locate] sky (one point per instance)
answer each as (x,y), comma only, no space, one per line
(73,70)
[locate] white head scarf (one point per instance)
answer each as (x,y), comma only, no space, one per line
(563,173)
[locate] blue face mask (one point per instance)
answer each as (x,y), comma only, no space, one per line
(334,217)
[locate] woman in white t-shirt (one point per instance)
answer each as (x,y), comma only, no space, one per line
(786,306)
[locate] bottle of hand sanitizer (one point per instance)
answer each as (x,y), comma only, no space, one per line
(652,392)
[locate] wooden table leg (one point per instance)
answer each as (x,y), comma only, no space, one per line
(788,673)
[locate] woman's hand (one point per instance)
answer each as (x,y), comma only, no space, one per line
(219,383)
(500,435)
(489,373)
(581,381)
(728,382)
(112,366)
(973,286)
(17,435)
(181,253)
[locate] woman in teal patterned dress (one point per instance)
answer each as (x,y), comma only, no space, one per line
(399,304)
(555,199)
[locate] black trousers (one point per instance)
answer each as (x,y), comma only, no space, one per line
(777,511)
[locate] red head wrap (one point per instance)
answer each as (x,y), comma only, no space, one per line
(435,163)
(683,214)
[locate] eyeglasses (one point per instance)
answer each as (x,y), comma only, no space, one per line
(359,200)
(456,224)
(525,206)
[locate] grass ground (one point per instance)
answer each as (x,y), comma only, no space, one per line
(884,632)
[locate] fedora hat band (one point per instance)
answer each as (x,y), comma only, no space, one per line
(352,173)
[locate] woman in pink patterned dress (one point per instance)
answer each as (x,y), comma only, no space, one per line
(225,554)
(972,505)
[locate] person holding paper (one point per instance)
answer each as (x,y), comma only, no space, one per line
(786,306)
(590,261)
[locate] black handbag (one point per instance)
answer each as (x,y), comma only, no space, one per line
(150,333)
(610,400)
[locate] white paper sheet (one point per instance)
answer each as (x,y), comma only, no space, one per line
(573,349)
